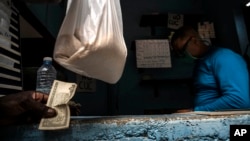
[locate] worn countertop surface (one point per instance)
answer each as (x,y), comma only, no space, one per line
(170,127)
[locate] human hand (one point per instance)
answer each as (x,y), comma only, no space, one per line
(26,106)
(184,110)
(75,108)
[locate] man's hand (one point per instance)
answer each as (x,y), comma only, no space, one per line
(26,106)
(184,110)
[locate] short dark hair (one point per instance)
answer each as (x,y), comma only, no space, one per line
(181,33)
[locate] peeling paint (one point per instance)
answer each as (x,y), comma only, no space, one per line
(171,127)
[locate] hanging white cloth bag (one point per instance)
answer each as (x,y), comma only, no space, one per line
(90,41)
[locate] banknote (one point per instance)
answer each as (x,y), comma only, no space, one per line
(60,94)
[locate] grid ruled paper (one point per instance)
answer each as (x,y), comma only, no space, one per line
(153,54)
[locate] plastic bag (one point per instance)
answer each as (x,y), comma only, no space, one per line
(90,41)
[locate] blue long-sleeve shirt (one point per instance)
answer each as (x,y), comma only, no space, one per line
(221,81)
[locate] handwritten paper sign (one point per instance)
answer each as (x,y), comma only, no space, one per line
(206,30)
(153,54)
(85,84)
(175,21)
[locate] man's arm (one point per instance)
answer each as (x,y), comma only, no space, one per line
(233,84)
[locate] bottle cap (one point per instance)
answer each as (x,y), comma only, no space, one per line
(47,59)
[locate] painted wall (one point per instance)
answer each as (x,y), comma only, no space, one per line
(230,25)
(129,95)
(50,15)
(134,98)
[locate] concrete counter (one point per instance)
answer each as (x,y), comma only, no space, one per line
(171,127)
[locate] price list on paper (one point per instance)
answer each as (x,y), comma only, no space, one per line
(153,54)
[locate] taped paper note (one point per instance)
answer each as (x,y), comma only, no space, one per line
(153,54)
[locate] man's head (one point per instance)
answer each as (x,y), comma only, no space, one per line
(186,39)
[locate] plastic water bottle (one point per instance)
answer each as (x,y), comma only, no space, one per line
(46,75)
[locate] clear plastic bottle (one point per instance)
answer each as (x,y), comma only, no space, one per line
(46,75)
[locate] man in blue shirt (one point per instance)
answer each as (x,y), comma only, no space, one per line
(221,78)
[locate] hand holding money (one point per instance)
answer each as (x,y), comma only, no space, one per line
(60,95)
(24,107)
